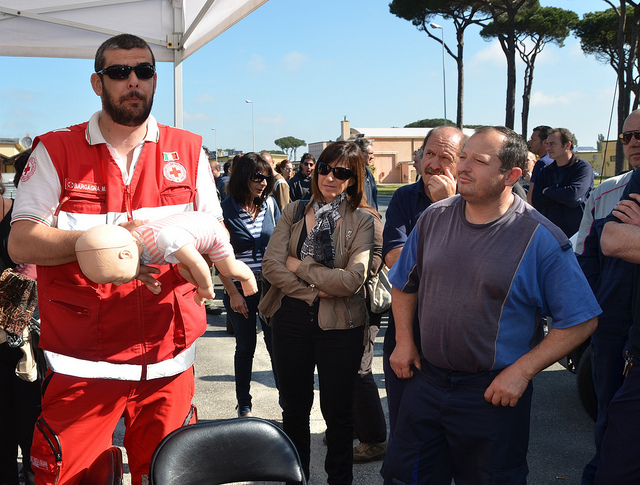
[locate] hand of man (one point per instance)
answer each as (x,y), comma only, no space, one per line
(402,358)
(442,186)
(149,281)
(628,211)
(508,386)
(145,273)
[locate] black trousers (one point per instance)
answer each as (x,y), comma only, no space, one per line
(299,346)
(19,407)
(370,424)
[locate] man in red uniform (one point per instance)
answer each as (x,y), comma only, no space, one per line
(112,350)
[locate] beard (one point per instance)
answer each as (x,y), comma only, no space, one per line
(124,114)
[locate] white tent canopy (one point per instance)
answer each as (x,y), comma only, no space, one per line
(174,29)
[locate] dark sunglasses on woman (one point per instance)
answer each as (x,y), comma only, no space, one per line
(341,173)
(121,71)
(259,177)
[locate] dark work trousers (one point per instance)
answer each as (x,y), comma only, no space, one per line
(487,444)
(245,332)
(394,386)
(299,346)
(607,363)
(19,407)
(620,446)
(369,421)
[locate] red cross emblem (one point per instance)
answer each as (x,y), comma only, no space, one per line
(29,169)
(175,172)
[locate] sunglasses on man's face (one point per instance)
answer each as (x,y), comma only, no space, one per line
(120,71)
(259,177)
(341,173)
(625,137)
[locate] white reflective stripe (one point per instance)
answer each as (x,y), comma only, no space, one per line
(88,369)
(71,221)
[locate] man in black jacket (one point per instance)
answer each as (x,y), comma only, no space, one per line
(300,183)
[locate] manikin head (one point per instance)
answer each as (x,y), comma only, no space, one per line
(108,254)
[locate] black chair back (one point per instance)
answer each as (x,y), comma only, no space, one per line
(226,451)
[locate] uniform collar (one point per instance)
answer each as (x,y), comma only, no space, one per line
(94,136)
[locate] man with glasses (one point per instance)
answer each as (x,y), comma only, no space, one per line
(112,350)
(618,446)
(561,188)
(611,280)
(300,183)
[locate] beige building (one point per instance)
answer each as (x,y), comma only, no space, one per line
(596,158)
(393,149)
(9,148)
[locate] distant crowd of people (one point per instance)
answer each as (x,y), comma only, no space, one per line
(477,250)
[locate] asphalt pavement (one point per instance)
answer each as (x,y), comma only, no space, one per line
(561,433)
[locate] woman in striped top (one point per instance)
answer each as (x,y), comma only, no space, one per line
(250,215)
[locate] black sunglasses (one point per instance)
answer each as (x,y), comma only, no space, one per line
(259,177)
(340,173)
(625,137)
(120,71)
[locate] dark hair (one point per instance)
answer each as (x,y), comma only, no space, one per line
(18,165)
(363,143)
(543,131)
(280,165)
(350,153)
(514,150)
(306,156)
(122,41)
(565,136)
(243,169)
(226,167)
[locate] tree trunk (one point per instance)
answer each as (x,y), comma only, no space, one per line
(526,97)
(623,98)
(510,53)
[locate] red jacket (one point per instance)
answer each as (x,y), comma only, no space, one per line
(104,326)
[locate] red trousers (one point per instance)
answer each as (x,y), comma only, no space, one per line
(79,417)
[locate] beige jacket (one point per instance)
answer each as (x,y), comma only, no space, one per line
(354,243)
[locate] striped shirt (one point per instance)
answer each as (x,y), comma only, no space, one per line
(255,228)
(165,236)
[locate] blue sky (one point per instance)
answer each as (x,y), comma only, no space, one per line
(307,64)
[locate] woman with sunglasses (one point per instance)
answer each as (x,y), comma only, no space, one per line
(317,262)
(250,215)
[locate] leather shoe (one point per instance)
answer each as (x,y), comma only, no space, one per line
(366,452)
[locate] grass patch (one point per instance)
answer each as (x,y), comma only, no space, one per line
(388,189)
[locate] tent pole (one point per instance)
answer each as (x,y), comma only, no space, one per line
(177,90)
(178,29)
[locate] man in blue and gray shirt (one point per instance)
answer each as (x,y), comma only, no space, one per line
(477,269)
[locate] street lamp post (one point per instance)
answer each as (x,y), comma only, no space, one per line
(215,142)
(253,124)
(444,77)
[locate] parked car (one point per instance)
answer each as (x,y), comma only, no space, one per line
(579,363)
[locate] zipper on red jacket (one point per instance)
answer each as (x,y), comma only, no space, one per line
(143,342)
(127,202)
(139,285)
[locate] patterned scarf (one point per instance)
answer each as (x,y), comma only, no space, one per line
(319,244)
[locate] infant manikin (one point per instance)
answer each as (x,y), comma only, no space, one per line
(111,254)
